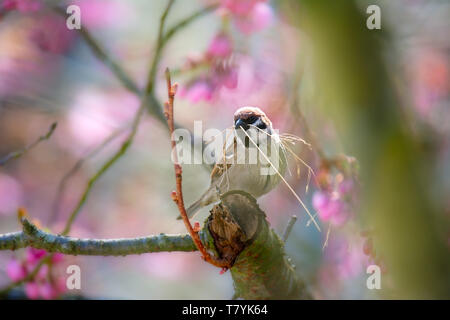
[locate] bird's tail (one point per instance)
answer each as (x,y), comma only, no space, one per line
(193,209)
(210,196)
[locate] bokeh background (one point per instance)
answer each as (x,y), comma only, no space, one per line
(373,104)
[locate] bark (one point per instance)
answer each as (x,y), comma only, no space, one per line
(261,269)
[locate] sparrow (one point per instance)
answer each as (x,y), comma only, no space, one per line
(252,129)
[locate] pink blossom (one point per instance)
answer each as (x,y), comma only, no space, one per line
(330,208)
(220,46)
(230,80)
(15,270)
(345,187)
(34,255)
(259,18)
(198,91)
(60,286)
(340,217)
(32,290)
(347,258)
(240,7)
(334,207)
(103,13)
(22,5)
(46,291)
(43,273)
(320,200)
(50,34)
(57,257)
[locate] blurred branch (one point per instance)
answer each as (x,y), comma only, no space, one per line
(183,23)
(17,154)
(101,54)
(158,50)
(32,236)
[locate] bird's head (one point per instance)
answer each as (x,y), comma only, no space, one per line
(252,117)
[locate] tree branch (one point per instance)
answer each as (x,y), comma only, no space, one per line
(32,236)
(19,153)
(183,23)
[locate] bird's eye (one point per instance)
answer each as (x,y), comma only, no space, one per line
(251,119)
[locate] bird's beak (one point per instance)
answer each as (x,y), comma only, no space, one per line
(241,124)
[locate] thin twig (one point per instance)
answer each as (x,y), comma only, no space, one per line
(289,227)
(159,46)
(19,153)
(177,195)
(101,54)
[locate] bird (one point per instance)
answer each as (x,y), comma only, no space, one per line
(252,129)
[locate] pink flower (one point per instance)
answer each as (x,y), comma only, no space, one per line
(103,13)
(32,290)
(34,255)
(43,273)
(345,187)
(331,210)
(230,80)
(220,46)
(240,7)
(259,18)
(50,34)
(46,291)
(15,270)
(57,257)
(198,91)
(60,286)
(340,217)
(329,207)
(22,5)
(320,200)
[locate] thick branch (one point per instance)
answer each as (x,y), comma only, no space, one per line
(260,266)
